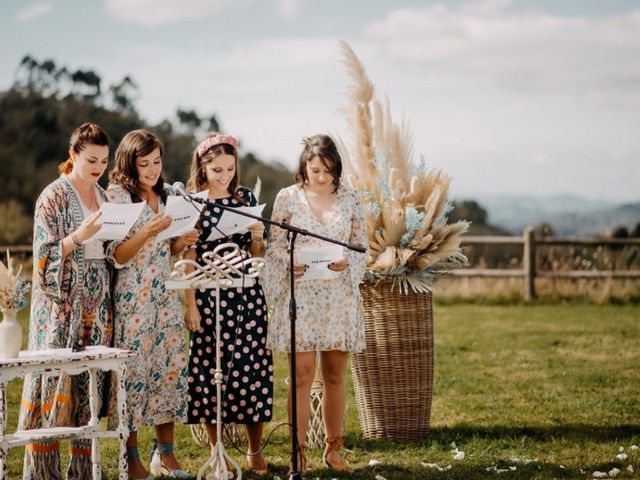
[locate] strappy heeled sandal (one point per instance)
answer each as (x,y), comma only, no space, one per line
(331,456)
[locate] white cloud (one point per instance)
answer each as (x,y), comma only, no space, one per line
(34,11)
(524,50)
(288,8)
(161,12)
(268,92)
(486,103)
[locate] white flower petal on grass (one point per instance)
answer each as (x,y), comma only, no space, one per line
(630,468)
(433,465)
(562,467)
(497,470)
(633,447)
(380,477)
(581,470)
(453,445)
(458,456)
(373,462)
(524,461)
(598,474)
(621,449)
(622,456)
(448,467)
(614,472)
(513,469)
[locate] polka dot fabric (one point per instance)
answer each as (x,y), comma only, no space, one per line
(246,362)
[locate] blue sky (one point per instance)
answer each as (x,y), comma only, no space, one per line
(532,97)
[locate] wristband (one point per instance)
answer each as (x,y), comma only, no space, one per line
(74,240)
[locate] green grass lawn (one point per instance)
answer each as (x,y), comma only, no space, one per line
(546,391)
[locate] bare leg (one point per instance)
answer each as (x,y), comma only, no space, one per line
(334,366)
(256,461)
(213,435)
(164,434)
(136,469)
(305,370)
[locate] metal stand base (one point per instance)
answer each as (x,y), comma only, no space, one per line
(218,464)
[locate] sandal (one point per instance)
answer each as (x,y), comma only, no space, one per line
(331,456)
(257,463)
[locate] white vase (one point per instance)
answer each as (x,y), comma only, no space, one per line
(10,334)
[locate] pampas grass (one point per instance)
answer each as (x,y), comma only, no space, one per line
(406,204)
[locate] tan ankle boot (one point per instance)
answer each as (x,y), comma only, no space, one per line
(332,458)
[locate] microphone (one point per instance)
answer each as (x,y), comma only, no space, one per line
(180,190)
(178,187)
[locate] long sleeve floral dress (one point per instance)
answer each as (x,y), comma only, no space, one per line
(70,305)
(329,312)
(149,319)
(247,365)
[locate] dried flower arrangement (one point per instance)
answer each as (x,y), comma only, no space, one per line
(13,287)
(406,204)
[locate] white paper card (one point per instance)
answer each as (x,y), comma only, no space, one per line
(231,222)
(116,220)
(318,260)
(184,214)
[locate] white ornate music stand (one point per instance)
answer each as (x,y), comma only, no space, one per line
(224,267)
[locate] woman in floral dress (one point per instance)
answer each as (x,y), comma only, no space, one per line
(148,317)
(246,361)
(70,301)
(329,312)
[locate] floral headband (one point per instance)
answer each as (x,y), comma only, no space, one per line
(218,139)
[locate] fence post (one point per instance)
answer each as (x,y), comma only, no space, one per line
(529,264)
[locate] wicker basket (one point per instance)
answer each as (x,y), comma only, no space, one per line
(393,377)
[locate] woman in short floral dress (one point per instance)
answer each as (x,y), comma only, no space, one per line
(329,312)
(246,362)
(148,317)
(70,302)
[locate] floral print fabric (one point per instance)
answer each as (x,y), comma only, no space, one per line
(70,305)
(148,319)
(329,312)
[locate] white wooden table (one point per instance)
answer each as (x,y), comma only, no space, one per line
(55,362)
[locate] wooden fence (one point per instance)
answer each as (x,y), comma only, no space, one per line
(529,252)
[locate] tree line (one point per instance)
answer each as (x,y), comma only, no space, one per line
(48,101)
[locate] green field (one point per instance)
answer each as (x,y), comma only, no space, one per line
(541,392)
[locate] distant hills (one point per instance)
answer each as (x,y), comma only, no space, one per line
(568,215)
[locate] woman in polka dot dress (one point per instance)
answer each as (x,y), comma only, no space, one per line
(247,388)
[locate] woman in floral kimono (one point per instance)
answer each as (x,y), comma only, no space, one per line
(70,302)
(148,317)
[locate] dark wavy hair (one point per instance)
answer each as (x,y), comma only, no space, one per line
(323,147)
(135,144)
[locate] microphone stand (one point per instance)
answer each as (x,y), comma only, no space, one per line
(292,233)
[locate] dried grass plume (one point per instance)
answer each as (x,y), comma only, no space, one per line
(406,202)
